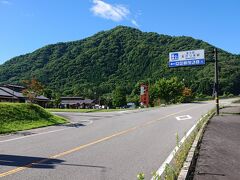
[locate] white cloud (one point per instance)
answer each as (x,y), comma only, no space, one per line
(134,23)
(113,12)
(108,11)
(5,2)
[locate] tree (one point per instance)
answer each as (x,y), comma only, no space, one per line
(33,89)
(48,93)
(169,89)
(119,97)
(154,98)
(187,95)
(57,100)
(133,99)
(106,99)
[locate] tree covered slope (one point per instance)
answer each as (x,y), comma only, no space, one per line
(122,56)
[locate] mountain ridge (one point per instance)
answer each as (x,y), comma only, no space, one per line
(121,56)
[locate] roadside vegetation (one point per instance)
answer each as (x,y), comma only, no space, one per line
(23,116)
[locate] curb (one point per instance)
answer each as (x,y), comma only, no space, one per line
(187,166)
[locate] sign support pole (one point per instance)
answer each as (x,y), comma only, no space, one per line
(216,81)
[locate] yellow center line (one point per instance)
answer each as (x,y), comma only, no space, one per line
(13,171)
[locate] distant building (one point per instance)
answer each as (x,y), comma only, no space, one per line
(13,93)
(77,102)
(131,105)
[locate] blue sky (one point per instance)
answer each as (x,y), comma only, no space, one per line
(26,25)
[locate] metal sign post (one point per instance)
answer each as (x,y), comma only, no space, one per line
(216,84)
(196,58)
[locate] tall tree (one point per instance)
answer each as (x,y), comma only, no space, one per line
(169,89)
(119,97)
(33,89)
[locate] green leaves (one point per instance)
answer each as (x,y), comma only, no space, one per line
(168,89)
(119,97)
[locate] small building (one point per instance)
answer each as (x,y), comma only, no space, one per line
(13,93)
(42,101)
(131,105)
(6,97)
(77,103)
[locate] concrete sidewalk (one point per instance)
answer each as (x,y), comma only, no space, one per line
(219,154)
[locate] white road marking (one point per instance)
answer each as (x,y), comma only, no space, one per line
(88,122)
(121,111)
(23,137)
(184,117)
(48,132)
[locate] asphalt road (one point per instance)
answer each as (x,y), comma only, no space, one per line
(99,146)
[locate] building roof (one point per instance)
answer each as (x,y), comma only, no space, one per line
(42,98)
(77,101)
(12,93)
(88,101)
(5,94)
(13,85)
(71,102)
(72,98)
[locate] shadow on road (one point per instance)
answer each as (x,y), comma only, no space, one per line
(199,102)
(28,161)
(37,162)
(76,125)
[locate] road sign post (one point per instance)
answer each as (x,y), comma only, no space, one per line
(195,58)
(216,83)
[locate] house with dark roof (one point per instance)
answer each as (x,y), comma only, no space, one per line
(77,102)
(12,93)
(6,97)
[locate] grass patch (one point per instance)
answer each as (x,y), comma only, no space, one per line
(22,116)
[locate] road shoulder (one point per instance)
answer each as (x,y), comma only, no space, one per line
(219,154)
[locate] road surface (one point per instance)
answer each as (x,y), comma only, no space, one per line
(99,146)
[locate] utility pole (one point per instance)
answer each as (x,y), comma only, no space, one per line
(216,84)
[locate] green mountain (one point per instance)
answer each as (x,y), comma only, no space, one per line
(122,56)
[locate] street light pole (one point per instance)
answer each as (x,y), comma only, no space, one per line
(216,84)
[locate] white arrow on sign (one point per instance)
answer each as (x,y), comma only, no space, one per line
(184,117)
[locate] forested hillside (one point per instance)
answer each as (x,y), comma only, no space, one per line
(120,57)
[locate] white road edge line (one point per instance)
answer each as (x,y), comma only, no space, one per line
(23,137)
(48,132)
(171,155)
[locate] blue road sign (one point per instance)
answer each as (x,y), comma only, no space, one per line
(187,58)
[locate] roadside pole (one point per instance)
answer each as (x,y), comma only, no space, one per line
(196,58)
(216,81)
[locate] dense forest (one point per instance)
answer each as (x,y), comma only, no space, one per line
(119,58)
